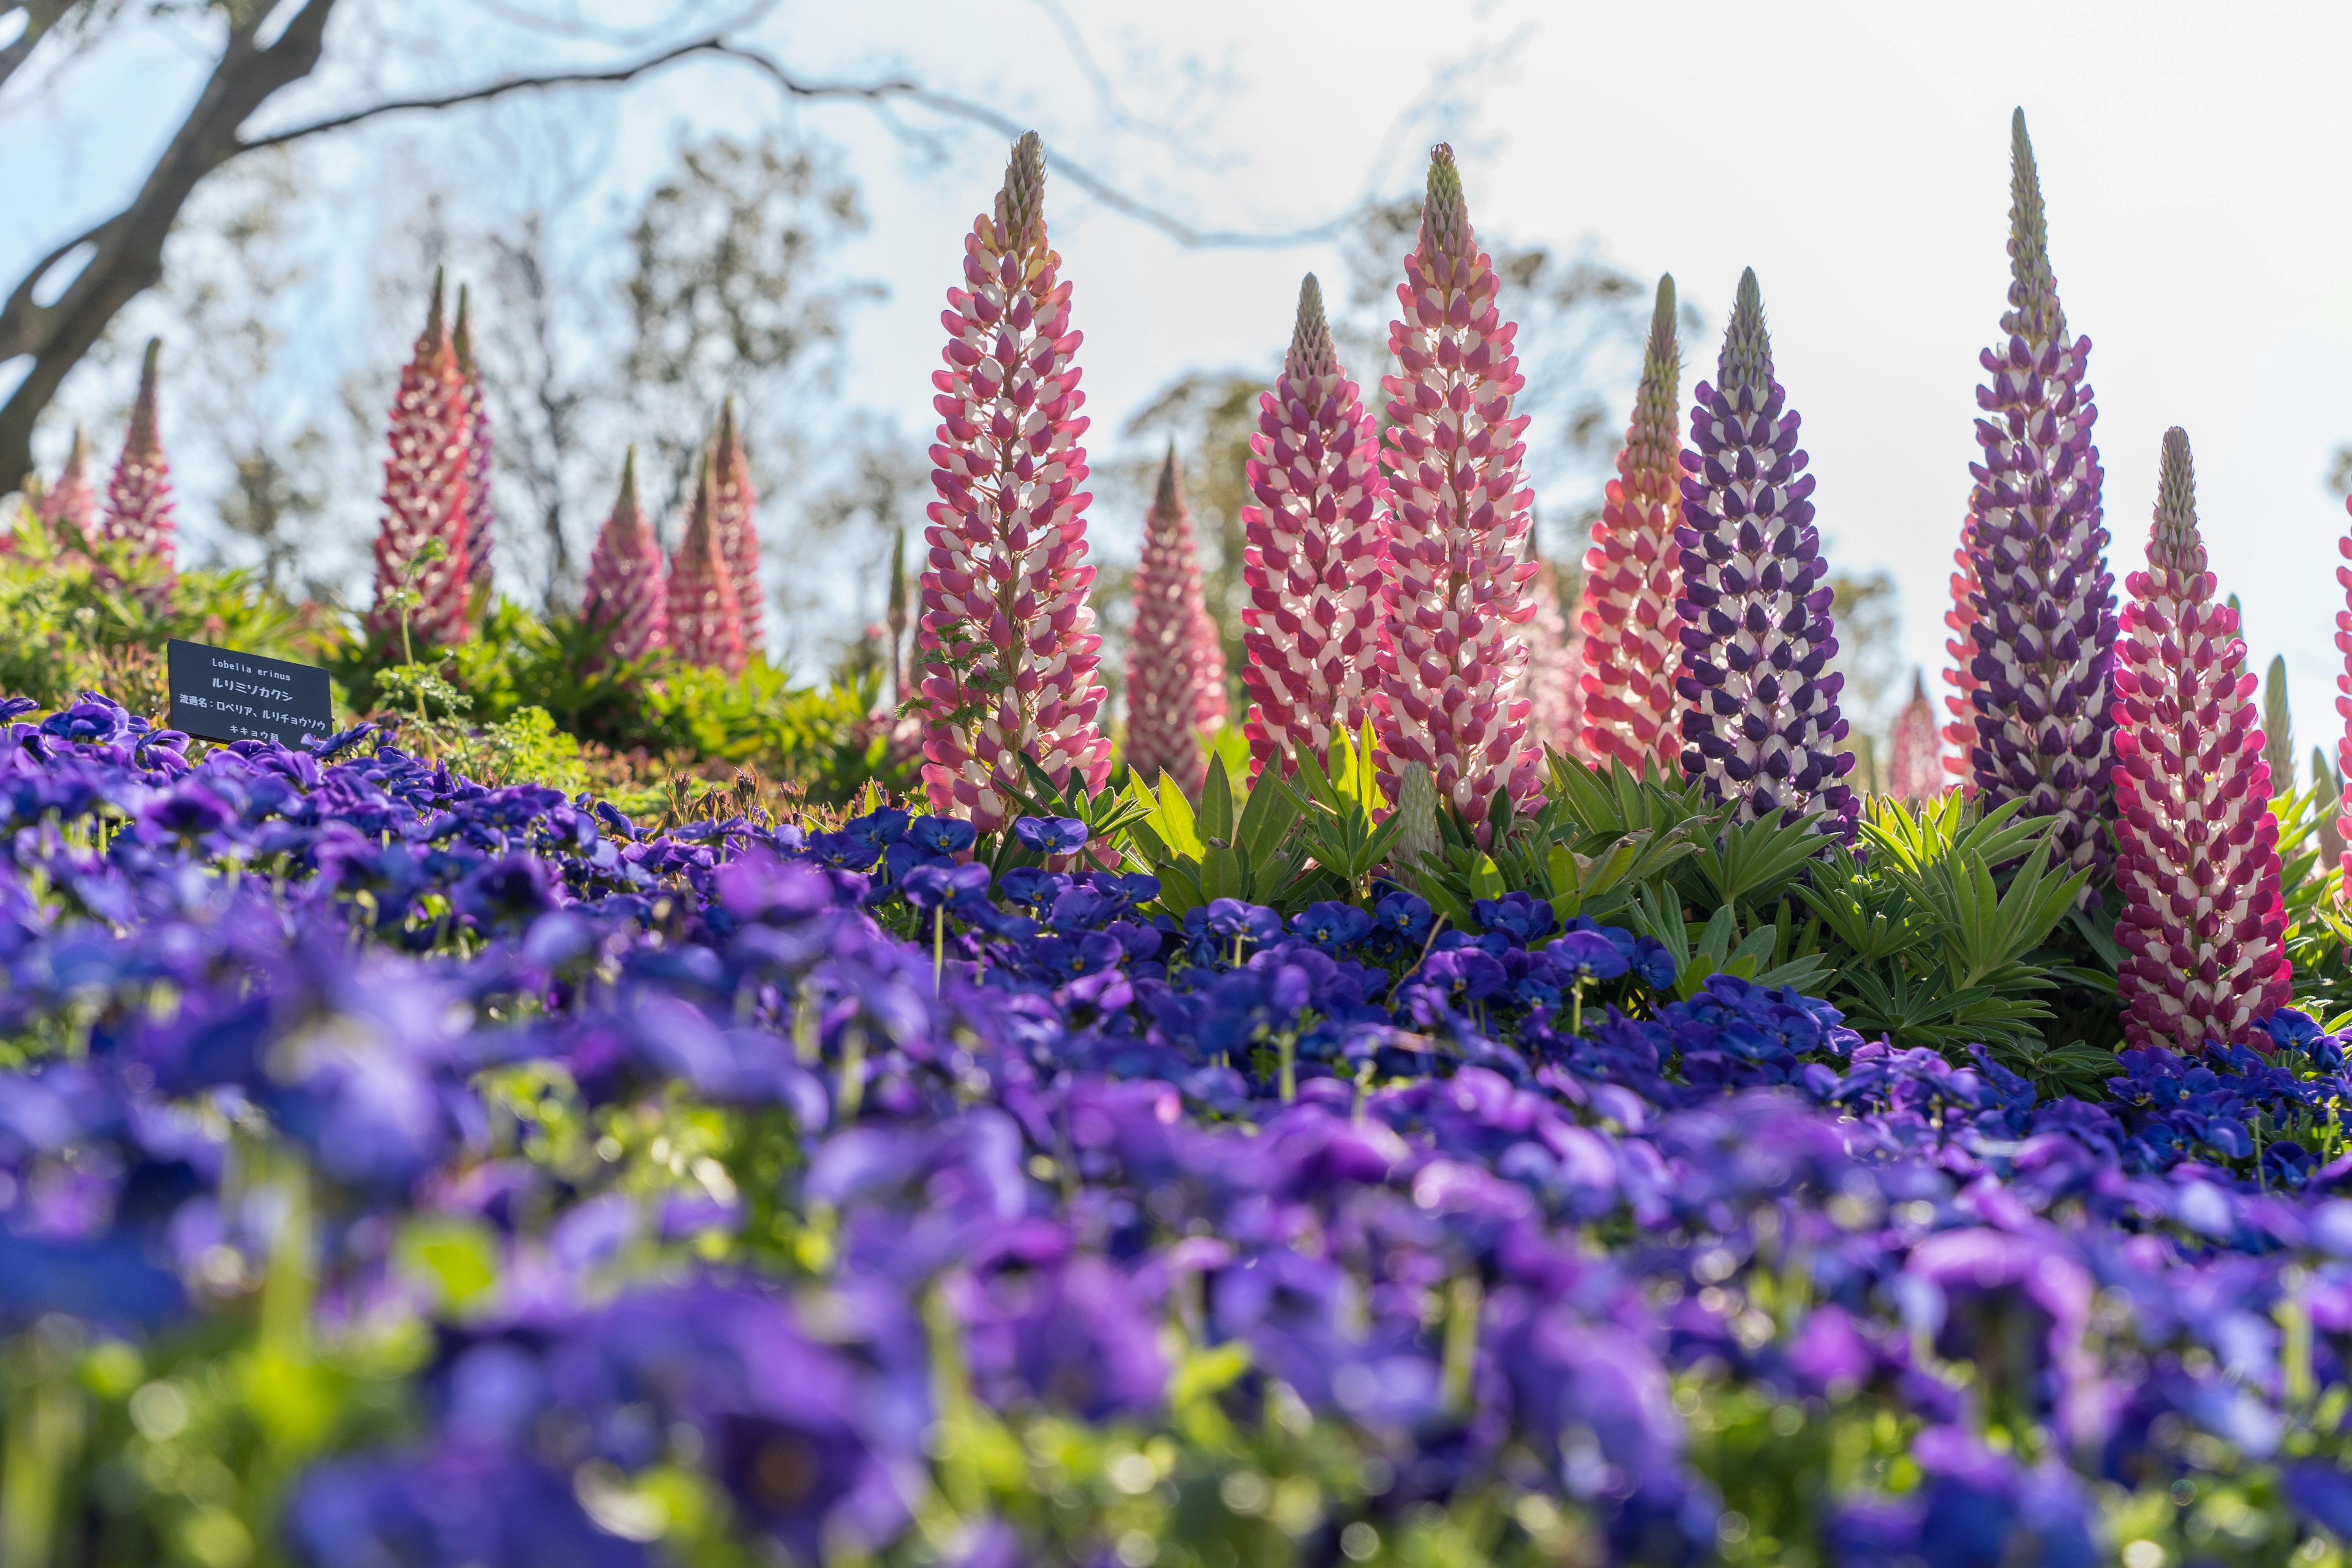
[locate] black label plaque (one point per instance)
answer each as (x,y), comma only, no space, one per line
(226,696)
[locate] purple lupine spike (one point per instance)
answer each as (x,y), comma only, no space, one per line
(480,519)
(1008,639)
(138,510)
(2197,848)
(2046,625)
(1163,732)
(1762,724)
(1458,558)
(628,588)
(1315,562)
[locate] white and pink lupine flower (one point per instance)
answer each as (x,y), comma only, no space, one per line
(2196,848)
(1315,560)
(1164,654)
(138,510)
(704,626)
(1915,758)
(480,519)
(1008,640)
(734,516)
(425,496)
(1555,698)
(72,501)
(1459,566)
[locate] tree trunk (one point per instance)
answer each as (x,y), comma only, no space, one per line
(130,245)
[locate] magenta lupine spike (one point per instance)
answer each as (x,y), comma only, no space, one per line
(1961,733)
(1459,565)
(704,623)
(1008,639)
(2196,848)
(1315,559)
(1915,752)
(1762,720)
(138,510)
(480,519)
(1632,645)
(425,498)
(1163,663)
(2045,627)
(628,588)
(734,512)
(1555,701)
(72,502)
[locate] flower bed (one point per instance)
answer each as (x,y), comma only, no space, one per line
(394,1170)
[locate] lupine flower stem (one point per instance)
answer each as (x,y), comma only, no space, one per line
(2198,859)
(1632,649)
(1316,554)
(1458,559)
(2045,627)
(1762,721)
(1008,637)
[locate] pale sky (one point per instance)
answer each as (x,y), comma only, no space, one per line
(1855,155)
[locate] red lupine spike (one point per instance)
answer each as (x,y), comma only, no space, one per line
(1316,562)
(1960,617)
(72,502)
(424,496)
(2196,848)
(704,624)
(1163,665)
(734,514)
(1458,559)
(138,510)
(1632,575)
(1008,639)
(1915,762)
(628,589)
(1555,697)
(480,519)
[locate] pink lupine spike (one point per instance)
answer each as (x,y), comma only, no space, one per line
(1960,618)
(138,510)
(2196,848)
(480,519)
(1555,699)
(1163,665)
(734,513)
(1632,575)
(1915,761)
(71,504)
(1316,557)
(1008,640)
(704,624)
(1458,558)
(424,497)
(628,588)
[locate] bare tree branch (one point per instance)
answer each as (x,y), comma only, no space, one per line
(40,16)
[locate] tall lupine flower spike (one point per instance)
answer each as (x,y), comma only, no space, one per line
(1008,639)
(1632,575)
(1458,559)
(1961,733)
(1555,701)
(424,497)
(1915,762)
(1211,707)
(480,519)
(2197,857)
(138,510)
(2343,704)
(2045,627)
(1163,665)
(734,513)
(704,624)
(628,590)
(1316,553)
(72,501)
(1762,724)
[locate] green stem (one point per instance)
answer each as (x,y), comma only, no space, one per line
(1289,1067)
(1576,1007)
(1464,1299)
(939,946)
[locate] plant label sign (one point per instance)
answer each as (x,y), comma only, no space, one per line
(223,695)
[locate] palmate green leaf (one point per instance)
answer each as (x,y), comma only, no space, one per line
(1753,862)
(1875,921)
(1333,813)
(1616,800)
